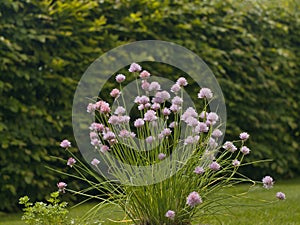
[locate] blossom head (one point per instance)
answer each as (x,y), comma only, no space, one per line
(134,67)
(181,81)
(95,162)
(65,144)
(212,118)
(154,86)
(175,88)
(161,156)
(217,133)
(245,150)
(71,162)
(201,127)
(115,93)
(97,127)
(193,199)
(120,110)
(150,115)
(144,74)
(236,162)
(268,182)
(280,195)
(61,186)
(173,124)
(103,149)
(205,93)
(199,170)
(170,214)
(229,146)
(139,123)
(214,166)
(244,136)
(145,85)
(149,139)
(120,78)
(90,108)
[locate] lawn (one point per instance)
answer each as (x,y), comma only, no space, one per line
(285,212)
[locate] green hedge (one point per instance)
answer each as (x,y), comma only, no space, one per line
(252,48)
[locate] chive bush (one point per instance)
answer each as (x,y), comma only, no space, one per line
(251,46)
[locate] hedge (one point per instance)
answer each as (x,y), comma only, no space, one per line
(252,48)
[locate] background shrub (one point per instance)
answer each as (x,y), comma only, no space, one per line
(252,48)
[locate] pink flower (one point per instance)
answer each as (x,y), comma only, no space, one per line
(150,115)
(203,115)
(192,122)
(189,112)
(71,162)
(113,119)
(163,94)
(205,93)
(175,88)
(173,124)
(109,135)
(95,142)
(217,133)
(120,110)
(236,162)
(193,199)
(145,85)
(212,143)
(181,81)
(166,132)
(175,108)
(65,144)
(115,93)
(214,166)
(201,127)
(126,134)
(120,78)
(134,67)
(280,195)
(166,112)
(95,162)
(177,100)
(170,214)
(245,150)
(244,136)
(144,74)
(229,146)
(61,186)
(97,127)
(154,86)
(103,149)
(149,139)
(161,156)
(268,182)
(191,140)
(212,117)
(155,106)
(102,106)
(142,99)
(139,122)
(199,170)
(90,108)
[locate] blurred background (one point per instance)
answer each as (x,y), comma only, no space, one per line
(252,47)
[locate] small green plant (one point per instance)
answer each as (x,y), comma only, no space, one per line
(40,213)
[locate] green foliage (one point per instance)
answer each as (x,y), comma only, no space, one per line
(251,46)
(41,213)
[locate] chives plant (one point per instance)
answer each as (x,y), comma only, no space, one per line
(163,165)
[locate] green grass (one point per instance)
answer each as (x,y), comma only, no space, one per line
(279,213)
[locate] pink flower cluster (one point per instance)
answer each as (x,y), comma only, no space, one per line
(100,106)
